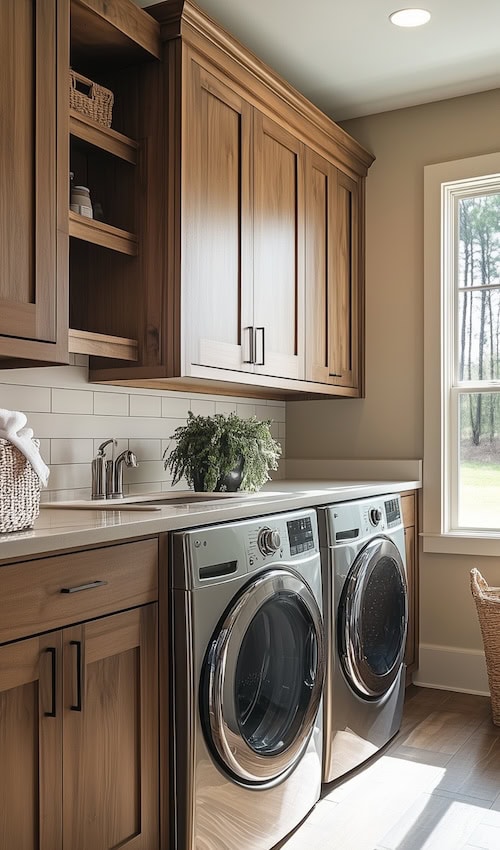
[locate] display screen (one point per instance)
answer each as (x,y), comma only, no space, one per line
(300,535)
(392,511)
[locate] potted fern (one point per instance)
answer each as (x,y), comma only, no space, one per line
(223,453)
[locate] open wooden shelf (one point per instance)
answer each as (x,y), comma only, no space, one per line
(103,138)
(99,233)
(102,345)
(112,31)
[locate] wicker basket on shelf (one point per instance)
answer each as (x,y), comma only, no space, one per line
(19,489)
(487,601)
(91,99)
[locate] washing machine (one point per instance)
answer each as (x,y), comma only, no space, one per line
(248,661)
(366,616)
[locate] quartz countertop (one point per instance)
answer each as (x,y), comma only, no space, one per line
(59,528)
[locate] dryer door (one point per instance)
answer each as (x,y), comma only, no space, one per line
(262,678)
(372,619)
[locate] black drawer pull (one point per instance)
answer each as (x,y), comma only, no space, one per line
(52,712)
(79,587)
(78,706)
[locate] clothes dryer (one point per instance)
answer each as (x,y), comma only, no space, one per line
(366,615)
(248,669)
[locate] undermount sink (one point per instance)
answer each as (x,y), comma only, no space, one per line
(149,501)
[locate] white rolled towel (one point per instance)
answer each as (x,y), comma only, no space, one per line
(12,428)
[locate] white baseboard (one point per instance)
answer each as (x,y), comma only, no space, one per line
(452,668)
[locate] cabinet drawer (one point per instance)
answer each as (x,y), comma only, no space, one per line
(53,592)
(408,510)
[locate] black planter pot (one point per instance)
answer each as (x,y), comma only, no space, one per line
(229,483)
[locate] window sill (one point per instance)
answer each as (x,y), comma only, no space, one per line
(462,543)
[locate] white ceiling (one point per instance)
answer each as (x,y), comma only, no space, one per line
(347,57)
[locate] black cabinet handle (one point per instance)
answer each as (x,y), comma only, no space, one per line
(78,706)
(251,347)
(79,587)
(52,651)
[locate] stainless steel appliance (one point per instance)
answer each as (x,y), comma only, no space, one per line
(366,613)
(248,669)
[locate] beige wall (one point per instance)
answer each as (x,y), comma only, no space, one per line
(388,423)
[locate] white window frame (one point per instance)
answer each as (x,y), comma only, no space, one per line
(440,475)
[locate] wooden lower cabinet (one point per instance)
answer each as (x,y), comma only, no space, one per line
(79,736)
(409,508)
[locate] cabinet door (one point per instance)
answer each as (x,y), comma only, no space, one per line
(411,648)
(321,192)
(32,248)
(333,268)
(217,232)
(278,250)
(344,311)
(110,768)
(30,744)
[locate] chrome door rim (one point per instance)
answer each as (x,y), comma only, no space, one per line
(356,668)
(247,765)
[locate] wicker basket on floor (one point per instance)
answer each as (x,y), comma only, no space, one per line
(19,489)
(487,601)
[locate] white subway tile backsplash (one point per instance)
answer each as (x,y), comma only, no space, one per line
(145,449)
(147,471)
(26,399)
(72,418)
(111,404)
(145,405)
(245,410)
(202,407)
(71,451)
(276,412)
(71,476)
(72,401)
(176,408)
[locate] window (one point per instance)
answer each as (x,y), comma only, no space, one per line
(462,356)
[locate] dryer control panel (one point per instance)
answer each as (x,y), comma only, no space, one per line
(353,521)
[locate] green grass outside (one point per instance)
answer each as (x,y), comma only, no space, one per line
(479,495)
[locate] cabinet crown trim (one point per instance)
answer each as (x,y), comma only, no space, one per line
(182,18)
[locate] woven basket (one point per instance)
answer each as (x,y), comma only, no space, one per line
(19,489)
(487,601)
(90,99)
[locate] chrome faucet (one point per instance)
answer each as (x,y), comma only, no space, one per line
(99,464)
(114,473)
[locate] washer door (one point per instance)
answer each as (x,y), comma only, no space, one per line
(372,619)
(263,677)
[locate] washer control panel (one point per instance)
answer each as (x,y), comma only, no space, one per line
(220,553)
(300,535)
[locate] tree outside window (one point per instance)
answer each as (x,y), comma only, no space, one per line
(475,390)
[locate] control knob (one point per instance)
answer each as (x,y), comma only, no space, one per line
(268,541)
(375,516)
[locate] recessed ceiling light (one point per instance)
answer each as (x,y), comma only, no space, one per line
(410,17)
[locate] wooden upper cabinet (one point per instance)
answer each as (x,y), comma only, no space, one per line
(333,275)
(217,214)
(278,215)
(242,215)
(225,309)
(33,164)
